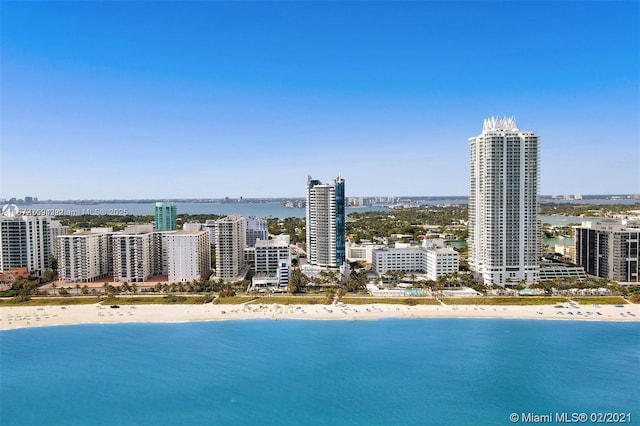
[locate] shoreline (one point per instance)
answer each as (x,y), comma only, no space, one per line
(18,317)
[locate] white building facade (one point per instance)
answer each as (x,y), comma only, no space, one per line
(85,256)
(230,244)
(133,256)
(25,241)
(56,229)
(188,255)
(504,231)
(433,261)
(325,219)
(273,259)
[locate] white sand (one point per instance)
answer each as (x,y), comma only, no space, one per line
(34,316)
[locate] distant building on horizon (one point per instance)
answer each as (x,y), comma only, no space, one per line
(166,217)
(325,215)
(504,230)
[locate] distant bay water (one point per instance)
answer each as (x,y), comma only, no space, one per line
(259,209)
(386,372)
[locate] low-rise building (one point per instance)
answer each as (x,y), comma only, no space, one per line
(433,260)
(550,270)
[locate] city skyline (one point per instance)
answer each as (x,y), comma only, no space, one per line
(100,99)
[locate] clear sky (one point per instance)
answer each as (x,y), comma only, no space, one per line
(214,99)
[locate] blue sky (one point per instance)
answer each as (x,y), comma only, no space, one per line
(215,99)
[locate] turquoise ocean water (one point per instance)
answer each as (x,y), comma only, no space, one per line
(387,372)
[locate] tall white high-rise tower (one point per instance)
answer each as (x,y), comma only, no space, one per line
(325,223)
(504,231)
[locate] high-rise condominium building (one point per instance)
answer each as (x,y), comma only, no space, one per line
(256,228)
(56,228)
(504,231)
(609,249)
(325,223)
(210,225)
(188,255)
(134,255)
(230,244)
(25,241)
(166,217)
(85,256)
(273,258)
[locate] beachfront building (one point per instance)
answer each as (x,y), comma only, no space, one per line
(273,259)
(362,251)
(134,253)
(504,231)
(230,244)
(433,261)
(56,228)
(551,270)
(85,256)
(325,214)
(188,255)
(407,259)
(256,229)
(441,261)
(166,217)
(609,249)
(25,242)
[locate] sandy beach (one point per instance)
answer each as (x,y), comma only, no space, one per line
(39,316)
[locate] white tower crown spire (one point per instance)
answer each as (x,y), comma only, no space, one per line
(495,123)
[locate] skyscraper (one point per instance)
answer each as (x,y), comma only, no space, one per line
(25,241)
(230,244)
(504,231)
(166,216)
(325,223)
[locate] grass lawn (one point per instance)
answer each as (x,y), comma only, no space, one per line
(291,300)
(236,300)
(531,300)
(389,300)
(50,301)
(157,300)
(602,300)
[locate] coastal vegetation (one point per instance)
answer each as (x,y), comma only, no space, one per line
(291,300)
(599,300)
(409,223)
(157,300)
(501,300)
(589,210)
(48,301)
(412,301)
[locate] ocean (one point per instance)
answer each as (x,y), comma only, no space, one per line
(295,372)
